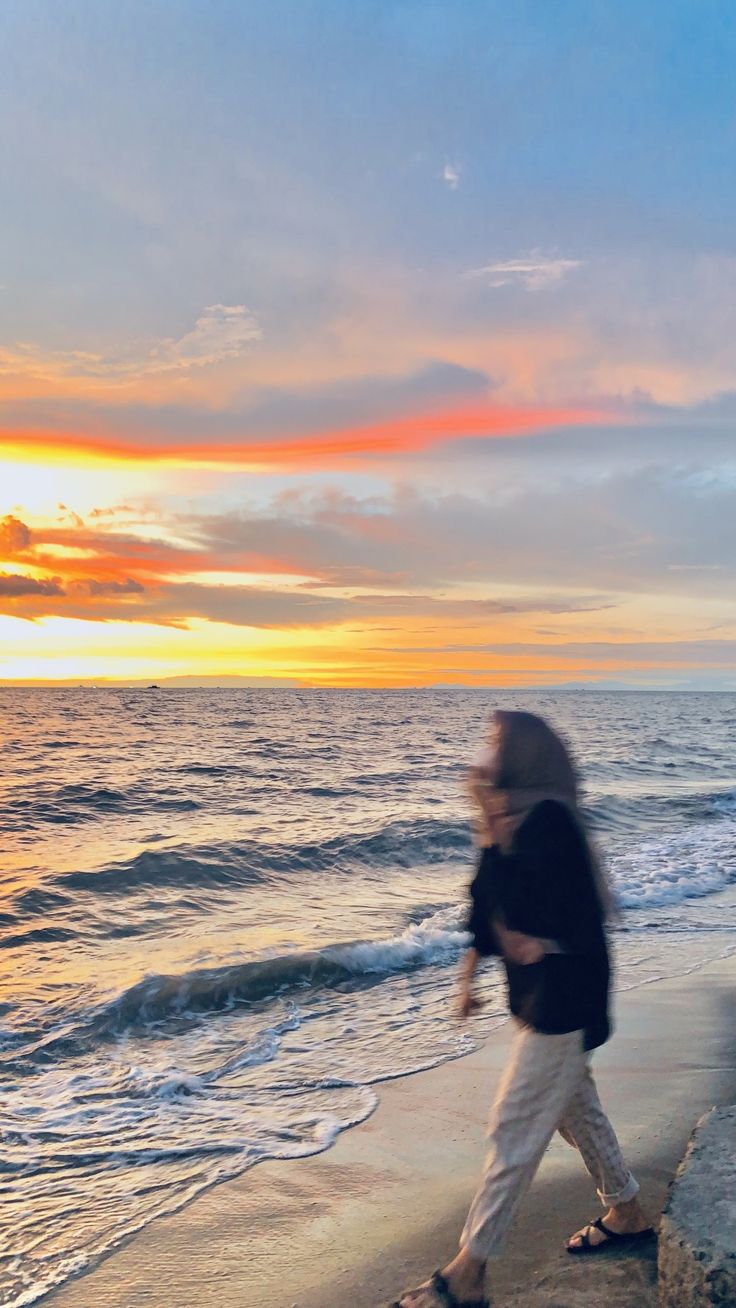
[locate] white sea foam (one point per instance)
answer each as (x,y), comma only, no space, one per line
(434,940)
(685,864)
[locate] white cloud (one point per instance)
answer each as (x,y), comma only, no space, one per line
(223,331)
(533,271)
(451,175)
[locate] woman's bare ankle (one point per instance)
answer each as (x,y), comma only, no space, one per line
(629,1216)
(465,1276)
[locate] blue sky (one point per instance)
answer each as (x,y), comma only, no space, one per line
(267,144)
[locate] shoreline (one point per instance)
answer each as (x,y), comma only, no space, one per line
(383,1206)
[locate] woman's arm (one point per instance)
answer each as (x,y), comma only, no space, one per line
(517,948)
(558,883)
(487,924)
(468,1003)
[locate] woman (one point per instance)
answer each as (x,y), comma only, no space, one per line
(539,900)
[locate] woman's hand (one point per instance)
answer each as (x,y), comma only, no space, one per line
(517,947)
(468,1003)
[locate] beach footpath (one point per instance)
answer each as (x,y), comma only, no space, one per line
(351,1227)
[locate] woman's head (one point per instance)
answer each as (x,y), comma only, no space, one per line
(531,764)
(529,756)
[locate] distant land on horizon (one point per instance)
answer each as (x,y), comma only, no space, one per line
(283,683)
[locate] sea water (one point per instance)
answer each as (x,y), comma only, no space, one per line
(228,915)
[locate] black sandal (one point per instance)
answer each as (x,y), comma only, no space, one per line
(437,1283)
(612,1237)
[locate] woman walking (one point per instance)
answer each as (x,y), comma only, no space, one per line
(539,900)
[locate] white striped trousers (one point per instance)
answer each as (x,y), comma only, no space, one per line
(547,1087)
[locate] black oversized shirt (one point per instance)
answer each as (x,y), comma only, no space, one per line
(545,887)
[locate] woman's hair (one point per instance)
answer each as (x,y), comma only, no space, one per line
(531,756)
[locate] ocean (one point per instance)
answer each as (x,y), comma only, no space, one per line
(229,915)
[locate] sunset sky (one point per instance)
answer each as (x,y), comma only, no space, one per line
(368,342)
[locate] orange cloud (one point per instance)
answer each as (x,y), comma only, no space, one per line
(14,536)
(401,435)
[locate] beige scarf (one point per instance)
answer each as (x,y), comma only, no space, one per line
(528,764)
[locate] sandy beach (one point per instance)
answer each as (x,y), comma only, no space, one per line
(354,1225)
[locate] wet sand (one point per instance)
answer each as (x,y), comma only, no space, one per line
(351,1227)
